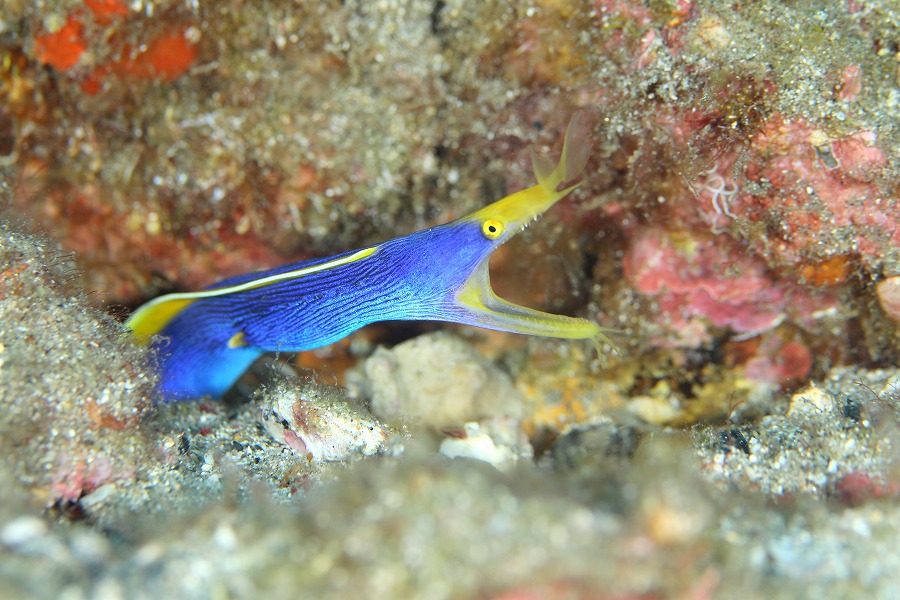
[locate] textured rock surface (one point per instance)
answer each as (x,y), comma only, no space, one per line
(440,381)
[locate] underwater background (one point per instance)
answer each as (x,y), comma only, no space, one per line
(738,226)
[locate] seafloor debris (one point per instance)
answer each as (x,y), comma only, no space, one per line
(498,442)
(319,423)
(842,427)
(73,392)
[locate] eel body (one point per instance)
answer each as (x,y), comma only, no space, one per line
(206,339)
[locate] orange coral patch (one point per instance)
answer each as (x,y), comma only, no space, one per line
(831,271)
(61,49)
(166,58)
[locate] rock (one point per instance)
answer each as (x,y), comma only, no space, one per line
(888,292)
(438,380)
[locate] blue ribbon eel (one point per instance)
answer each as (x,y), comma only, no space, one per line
(206,339)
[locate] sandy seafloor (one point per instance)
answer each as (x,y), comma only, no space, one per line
(738,225)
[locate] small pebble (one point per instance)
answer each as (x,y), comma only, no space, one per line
(21,531)
(888,292)
(98,496)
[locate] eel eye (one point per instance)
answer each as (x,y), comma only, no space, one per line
(492,229)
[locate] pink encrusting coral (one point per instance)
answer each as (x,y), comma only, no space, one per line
(779,363)
(695,274)
(822,193)
(702,282)
(76,478)
(760,234)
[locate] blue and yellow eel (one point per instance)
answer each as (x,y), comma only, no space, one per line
(205,340)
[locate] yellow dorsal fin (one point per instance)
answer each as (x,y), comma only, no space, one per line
(576,149)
